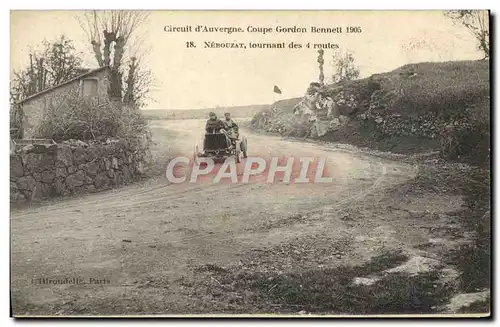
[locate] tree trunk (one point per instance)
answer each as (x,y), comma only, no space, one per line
(109,37)
(32,79)
(119,50)
(484,46)
(96,46)
(129,94)
(115,87)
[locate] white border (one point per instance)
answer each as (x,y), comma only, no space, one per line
(197,5)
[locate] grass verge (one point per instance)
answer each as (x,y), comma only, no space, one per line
(332,290)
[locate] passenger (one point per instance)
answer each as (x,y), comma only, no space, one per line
(231,127)
(214,124)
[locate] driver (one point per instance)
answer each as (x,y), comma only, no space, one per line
(231,127)
(214,124)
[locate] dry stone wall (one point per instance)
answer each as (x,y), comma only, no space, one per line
(39,172)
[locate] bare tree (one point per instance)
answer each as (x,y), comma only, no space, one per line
(110,34)
(138,83)
(477,23)
(345,68)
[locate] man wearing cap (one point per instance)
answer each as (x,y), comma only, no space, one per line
(214,124)
(231,127)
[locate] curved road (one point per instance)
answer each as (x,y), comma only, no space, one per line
(155,232)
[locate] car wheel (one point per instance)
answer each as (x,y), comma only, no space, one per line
(244,147)
(238,156)
(195,155)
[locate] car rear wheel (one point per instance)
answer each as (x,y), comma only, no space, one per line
(196,160)
(238,156)
(243,146)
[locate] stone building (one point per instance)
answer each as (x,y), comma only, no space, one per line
(94,83)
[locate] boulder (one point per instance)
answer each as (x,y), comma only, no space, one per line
(30,162)
(343,119)
(88,188)
(48,190)
(48,176)
(88,180)
(16,166)
(335,123)
(140,167)
(107,164)
(92,153)
(80,175)
(26,183)
(38,192)
(148,157)
(61,172)
(59,185)
(101,180)
(79,155)
(75,180)
(37,176)
(321,127)
(46,162)
(43,148)
(64,156)
(127,175)
(119,178)
(72,169)
(91,168)
(27,149)
(75,143)
(15,194)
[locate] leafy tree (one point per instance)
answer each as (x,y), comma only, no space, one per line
(477,23)
(55,63)
(345,68)
(137,84)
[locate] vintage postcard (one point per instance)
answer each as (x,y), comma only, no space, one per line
(250,163)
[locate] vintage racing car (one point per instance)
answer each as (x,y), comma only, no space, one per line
(219,146)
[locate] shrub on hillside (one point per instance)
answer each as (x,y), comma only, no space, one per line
(74,116)
(361,90)
(422,103)
(441,88)
(468,139)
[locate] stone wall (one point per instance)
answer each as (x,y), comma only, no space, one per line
(331,108)
(39,172)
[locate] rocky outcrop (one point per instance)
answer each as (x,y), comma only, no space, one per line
(417,107)
(323,109)
(76,167)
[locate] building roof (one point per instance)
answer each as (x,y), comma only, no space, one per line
(93,71)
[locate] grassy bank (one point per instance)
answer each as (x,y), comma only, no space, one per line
(416,108)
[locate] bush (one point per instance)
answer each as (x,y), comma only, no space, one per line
(16,122)
(441,88)
(73,116)
(468,139)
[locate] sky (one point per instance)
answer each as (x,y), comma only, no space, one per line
(191,78)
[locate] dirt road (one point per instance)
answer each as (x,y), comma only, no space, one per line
(149,248)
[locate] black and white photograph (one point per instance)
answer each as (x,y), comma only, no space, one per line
(250,163)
